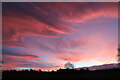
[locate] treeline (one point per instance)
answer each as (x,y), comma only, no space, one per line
(60,70)
(61,74)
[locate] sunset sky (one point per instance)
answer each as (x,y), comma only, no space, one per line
(47,35)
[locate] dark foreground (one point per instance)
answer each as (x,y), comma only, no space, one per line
(111,74)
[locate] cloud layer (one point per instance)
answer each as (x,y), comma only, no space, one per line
(46,35)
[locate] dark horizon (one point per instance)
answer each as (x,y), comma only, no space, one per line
(62,74)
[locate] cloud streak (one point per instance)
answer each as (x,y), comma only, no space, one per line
(49,19)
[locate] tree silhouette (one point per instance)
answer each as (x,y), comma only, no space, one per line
(118,56)
(69,65)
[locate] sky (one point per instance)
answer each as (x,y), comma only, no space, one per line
(46,35)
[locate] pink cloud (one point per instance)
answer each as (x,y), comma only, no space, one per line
(16,24)
(25,57)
